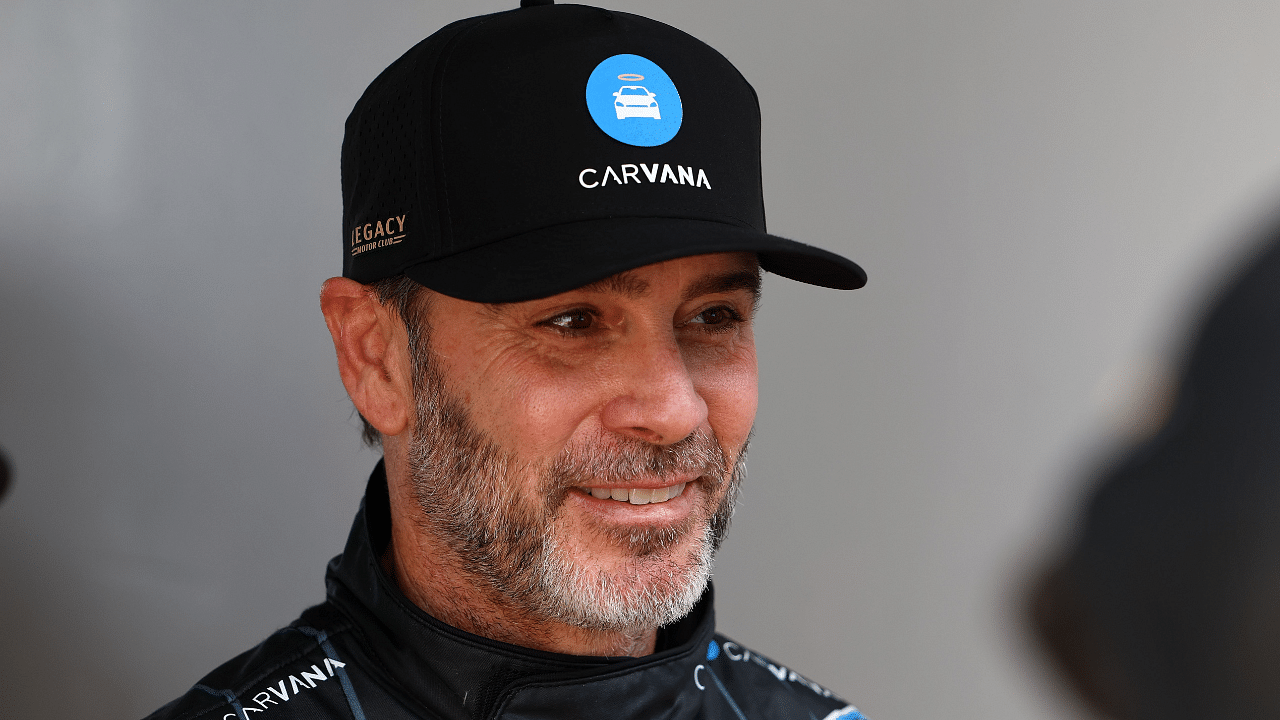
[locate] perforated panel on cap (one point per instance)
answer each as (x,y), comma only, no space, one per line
(388,181)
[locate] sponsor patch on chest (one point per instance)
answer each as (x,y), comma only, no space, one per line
(288,688)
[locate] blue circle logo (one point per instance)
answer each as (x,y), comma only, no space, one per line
(633,101)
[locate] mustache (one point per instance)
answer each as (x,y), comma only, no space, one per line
(616,460)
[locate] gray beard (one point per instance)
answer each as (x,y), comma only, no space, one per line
(463,481)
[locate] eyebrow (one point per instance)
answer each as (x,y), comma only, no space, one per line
(748,280)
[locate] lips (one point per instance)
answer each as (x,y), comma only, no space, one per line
(637,496)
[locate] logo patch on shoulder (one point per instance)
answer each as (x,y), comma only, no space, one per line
(633,101)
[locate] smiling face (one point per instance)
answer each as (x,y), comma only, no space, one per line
(576,455)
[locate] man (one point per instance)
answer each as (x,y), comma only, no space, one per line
(553,237)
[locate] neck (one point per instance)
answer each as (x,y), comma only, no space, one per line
(433,578)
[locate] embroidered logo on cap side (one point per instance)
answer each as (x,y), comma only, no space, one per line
(377,234)
(633,101)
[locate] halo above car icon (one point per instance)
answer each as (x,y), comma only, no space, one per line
(635,101)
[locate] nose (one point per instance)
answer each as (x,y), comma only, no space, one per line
(656,401)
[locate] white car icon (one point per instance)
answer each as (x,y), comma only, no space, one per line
(635,101)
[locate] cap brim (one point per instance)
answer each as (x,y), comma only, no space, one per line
(567,256)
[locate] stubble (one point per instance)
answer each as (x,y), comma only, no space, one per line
(466,486)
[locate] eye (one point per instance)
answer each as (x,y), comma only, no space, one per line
(571,320)
(717,317)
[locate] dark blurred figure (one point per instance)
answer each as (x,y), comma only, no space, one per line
(5,474)
(1167,605)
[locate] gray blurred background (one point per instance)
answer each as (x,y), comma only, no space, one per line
(1039,192)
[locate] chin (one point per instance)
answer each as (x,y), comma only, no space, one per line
(651,588)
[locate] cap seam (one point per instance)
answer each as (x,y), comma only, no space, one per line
(418,202)
(446,58)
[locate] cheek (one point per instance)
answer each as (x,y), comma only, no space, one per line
(533,406)
(730,389)
(524,400)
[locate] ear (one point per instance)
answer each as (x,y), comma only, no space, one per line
(373,354)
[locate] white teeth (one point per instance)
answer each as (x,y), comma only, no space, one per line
(638,496)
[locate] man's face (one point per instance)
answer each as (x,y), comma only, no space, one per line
(579,454)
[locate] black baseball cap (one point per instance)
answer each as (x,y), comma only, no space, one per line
(525,153)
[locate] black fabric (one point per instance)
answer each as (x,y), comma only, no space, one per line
(476,147)
(571,255)
(367,652)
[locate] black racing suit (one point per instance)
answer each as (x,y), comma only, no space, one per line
(368,653)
